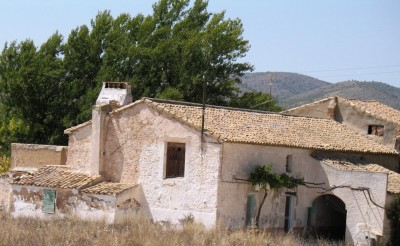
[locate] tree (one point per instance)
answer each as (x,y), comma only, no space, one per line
(266,179)
(255,100)
(32,92)
(166,54)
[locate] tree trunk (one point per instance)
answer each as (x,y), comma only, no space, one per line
(259,208)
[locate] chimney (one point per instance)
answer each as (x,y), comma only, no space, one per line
(332,108)
(112,94)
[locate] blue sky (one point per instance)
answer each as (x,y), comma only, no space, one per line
(333,40)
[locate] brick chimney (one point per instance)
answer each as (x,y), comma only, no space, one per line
(332,108)
(112,94)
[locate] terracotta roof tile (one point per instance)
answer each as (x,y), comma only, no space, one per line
(376,109)
(393,177)
(255,127)
(108,188)
(57,177)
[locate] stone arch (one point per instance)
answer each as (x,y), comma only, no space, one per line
(328,217)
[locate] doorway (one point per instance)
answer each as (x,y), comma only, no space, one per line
(328,217)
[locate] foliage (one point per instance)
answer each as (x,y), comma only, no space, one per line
(166,54)
(393,214)
(5,163)
(266,179)
(255,100)
(263,176)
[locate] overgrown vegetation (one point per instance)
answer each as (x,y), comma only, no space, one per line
(139,232)
(266,180)
(5,163)
(393,214)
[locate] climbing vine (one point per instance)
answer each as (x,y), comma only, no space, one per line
(393,214)
(266,179)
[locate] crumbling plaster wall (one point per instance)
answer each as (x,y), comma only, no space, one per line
(27,201)
(364,219)
(36,155)
(314,110)
(5,194)
(79,145)
(135,153)
(360,120)
(239,161)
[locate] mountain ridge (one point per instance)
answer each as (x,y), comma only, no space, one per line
(293,89)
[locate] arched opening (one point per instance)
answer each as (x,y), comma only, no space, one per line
(328,217)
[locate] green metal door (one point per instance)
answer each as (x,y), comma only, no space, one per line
(49,201)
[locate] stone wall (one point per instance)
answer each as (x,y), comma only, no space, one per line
(27,201)
(363,217)
(79,144)
(135,152)
(35,155)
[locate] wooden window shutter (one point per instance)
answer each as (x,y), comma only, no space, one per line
(175,166)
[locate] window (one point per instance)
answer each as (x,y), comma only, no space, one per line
(49,201)
(175,166)
(250,209)
(375,130)
(289,163)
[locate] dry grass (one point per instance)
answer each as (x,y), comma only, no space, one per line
(75,232)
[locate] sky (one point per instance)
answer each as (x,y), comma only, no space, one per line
(332,40)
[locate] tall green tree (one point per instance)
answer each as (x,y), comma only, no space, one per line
(167,54)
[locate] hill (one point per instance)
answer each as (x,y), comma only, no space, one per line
(294,89)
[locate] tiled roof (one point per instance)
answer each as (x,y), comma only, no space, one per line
(376,109)
(255,127)
(108,188)
(371,107)
(74,128)
(58,177)
(393,177)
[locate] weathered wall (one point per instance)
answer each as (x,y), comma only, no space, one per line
(27,201)
(240,159)
(359,120)
(351,117)
(131,204)
(36,155)
(135,153)
(5,194)
(79,148)
(314,110)
(238,162)
(364,219)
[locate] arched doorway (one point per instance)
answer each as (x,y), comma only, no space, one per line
(328,217)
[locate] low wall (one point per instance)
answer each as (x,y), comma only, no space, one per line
(35,155)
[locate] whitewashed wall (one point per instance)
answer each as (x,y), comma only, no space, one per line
(240,159)
(135,153)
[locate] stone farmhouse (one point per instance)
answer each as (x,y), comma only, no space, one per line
(152,158)
(371,118)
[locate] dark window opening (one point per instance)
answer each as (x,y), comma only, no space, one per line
(175,166)
(289,163)
(397,144)
(375,130)
(115,85)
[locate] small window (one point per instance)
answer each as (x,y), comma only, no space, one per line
(289,163)
(397,144)
(49,201)
(175,166)
(375,130)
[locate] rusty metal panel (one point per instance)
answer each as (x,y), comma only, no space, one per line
(49,201)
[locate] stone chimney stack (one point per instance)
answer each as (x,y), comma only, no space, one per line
(332,108)
(112,94)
